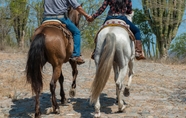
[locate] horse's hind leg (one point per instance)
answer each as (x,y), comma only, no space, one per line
(62,93)
(116,73)
(56,75)
(37,106)
(119,87)
(97,106)
(72,91)
(131,72)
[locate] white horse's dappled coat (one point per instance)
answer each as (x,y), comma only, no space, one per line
(113,49)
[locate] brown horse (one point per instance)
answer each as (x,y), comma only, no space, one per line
(51,44)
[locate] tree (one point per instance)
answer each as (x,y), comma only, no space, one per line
(19,15)
(4,25)
(146,32)
(89,30)
(178,46)
(164,18)
(39,11)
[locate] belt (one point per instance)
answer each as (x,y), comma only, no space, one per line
(58,16)
(117,14)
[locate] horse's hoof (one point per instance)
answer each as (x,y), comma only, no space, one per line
(48,111)
(126,92)
(97,115)
(57,111)
(122,110)
(72,92)
(65,103)
(37,115)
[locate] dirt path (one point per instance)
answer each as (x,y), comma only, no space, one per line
(158,91)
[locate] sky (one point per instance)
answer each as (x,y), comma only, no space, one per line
(182,27)
(138,4)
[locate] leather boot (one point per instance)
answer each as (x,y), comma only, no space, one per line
(138,50)
(79,60)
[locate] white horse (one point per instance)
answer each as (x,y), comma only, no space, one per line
(114,48)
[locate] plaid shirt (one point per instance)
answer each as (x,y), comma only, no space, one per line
(127,8)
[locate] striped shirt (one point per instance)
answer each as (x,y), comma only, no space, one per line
(127,8)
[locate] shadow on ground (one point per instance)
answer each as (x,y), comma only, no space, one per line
(26,107)
(82,106)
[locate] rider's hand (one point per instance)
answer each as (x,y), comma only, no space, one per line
(90,19)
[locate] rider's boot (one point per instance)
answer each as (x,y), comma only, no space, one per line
(78,59)
(138,50)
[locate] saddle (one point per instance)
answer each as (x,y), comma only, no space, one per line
(53,23)
(119,23)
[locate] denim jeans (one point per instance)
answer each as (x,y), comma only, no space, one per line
(75,32)
(133,28)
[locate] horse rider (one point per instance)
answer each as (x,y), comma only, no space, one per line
(118,9)
(57,9)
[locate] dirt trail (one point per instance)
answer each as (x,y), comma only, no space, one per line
(158,91)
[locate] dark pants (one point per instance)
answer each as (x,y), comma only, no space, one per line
(133,28)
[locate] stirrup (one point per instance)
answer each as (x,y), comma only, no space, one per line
(79,60)
(139,56)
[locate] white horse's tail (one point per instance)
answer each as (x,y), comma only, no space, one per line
(104,66)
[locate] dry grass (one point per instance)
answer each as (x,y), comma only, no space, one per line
(87,52)
(12,77)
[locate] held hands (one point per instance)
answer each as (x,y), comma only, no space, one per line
(89,18)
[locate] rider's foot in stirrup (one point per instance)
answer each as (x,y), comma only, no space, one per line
(79,60)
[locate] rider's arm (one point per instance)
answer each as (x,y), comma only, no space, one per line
(80,10)
(101,9)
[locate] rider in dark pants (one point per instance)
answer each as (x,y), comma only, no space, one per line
(118,9)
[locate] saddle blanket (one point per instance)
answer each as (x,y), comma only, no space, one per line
(120,23)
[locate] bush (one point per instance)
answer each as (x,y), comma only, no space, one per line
(178,46)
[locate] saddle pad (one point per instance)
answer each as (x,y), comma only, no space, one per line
(116,21)
(52,20)
(120,23)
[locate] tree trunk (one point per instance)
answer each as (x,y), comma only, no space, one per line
(164,18)
(22,41)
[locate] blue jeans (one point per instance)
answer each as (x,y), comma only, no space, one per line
(133,28)
(75,33)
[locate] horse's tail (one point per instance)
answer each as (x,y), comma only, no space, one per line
(35,62)
(104,66)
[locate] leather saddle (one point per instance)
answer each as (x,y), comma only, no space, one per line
(53,23)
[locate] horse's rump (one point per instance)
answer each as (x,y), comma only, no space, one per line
(118,23)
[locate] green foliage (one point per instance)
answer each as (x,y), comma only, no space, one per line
(164,17)
(19,15)
(39,10)
(89,30)
(5,26)
(179,46)
(146,32)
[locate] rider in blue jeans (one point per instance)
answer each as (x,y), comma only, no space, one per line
(118,9)
(57,9)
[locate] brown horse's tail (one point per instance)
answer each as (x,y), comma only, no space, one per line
(35,62)
(104,67)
